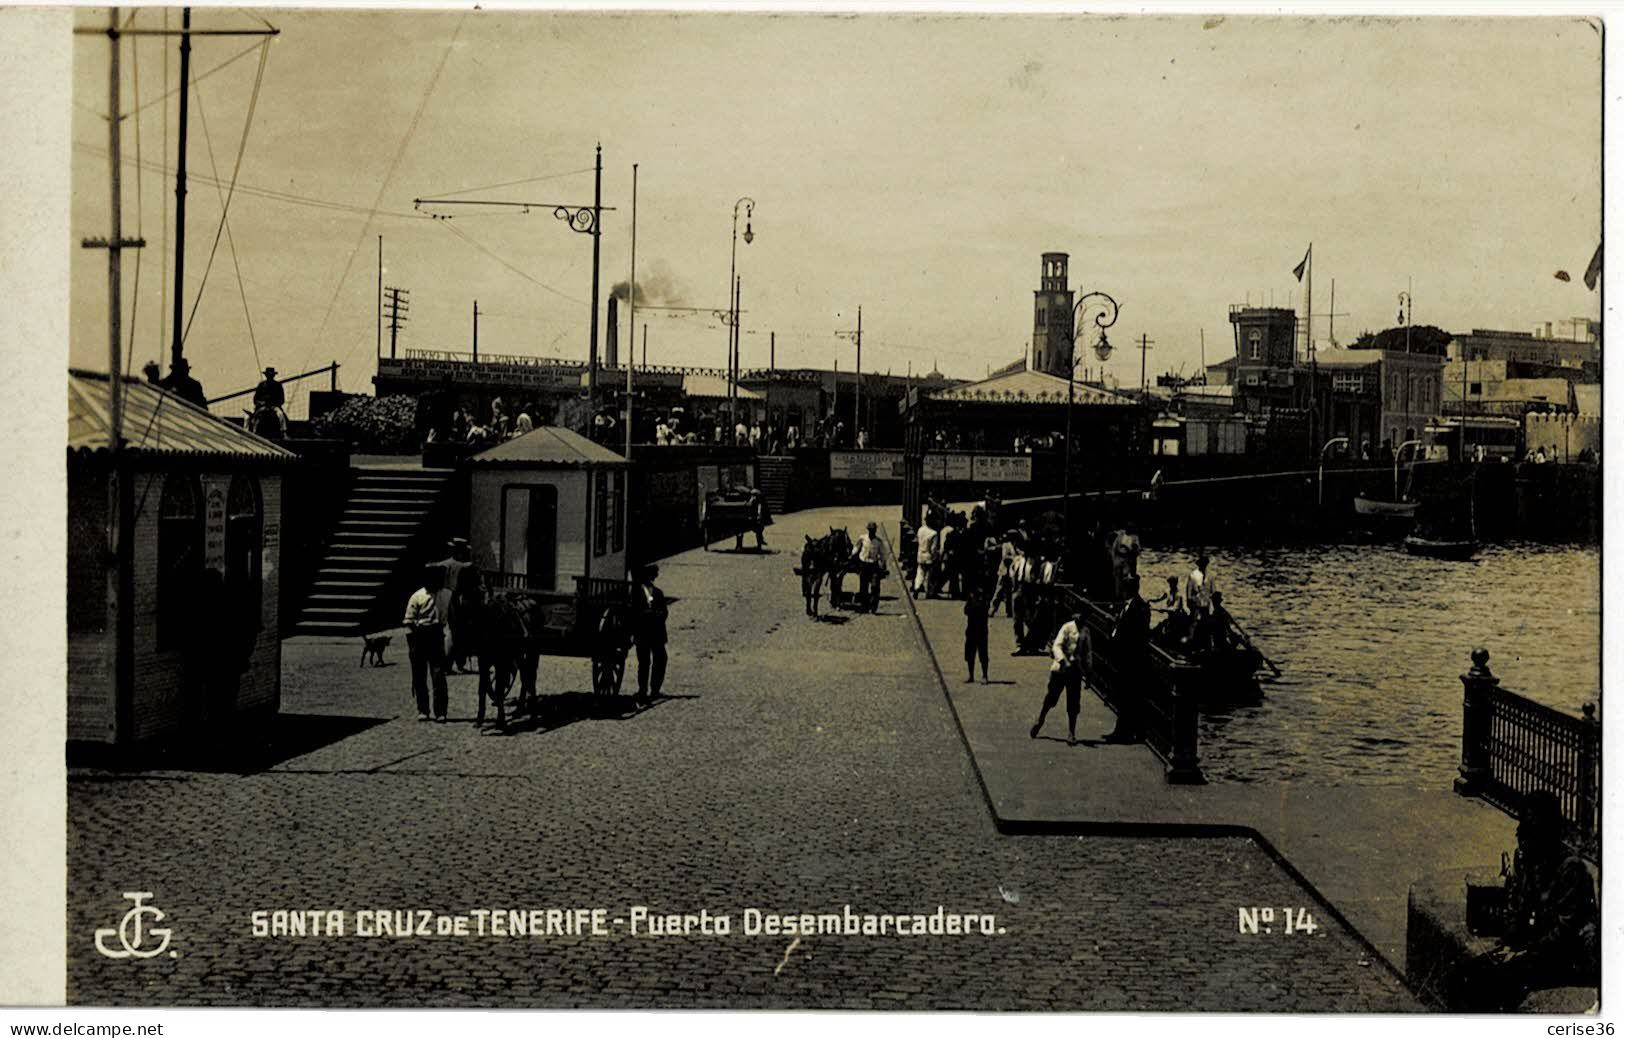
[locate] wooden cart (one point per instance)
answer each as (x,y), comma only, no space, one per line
(595,621)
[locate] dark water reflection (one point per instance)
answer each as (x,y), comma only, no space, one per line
(1372,642)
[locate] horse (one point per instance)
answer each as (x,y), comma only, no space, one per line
(497,628)
(828,556)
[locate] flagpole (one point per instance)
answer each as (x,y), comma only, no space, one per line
(1309,330)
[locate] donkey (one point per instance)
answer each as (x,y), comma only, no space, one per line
(828,556)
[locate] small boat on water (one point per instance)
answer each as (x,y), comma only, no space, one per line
(1449,549)
(1378,508)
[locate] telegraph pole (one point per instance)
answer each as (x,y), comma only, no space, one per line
(857,400)
(398,307)
(1145,344)
(378,303)
(631,326)
(476,331)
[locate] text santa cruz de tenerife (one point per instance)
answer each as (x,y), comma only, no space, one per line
(638,921)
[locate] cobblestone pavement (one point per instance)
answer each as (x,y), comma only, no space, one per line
(794,766)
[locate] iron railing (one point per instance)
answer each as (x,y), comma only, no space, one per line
(1513,746)
(1154,693)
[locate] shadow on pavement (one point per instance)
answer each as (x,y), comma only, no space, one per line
(552,712)
(253,748)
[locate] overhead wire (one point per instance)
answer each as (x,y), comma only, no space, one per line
(512,183)
(242,146)
(383,185)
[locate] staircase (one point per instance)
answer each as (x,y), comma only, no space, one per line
(386,510)
(773,478)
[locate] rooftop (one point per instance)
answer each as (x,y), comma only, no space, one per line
(548,446)
(154,421)
(1031,387)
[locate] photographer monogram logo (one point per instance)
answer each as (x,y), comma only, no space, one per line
(132,932)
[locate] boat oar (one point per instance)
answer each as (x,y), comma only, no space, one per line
(1249,643)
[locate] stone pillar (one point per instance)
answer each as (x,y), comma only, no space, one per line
(1585,789)
(1477,685)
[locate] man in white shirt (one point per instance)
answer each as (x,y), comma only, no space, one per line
(425,645)
(1070,655)
(871,557)
(1023,577)
(925,557)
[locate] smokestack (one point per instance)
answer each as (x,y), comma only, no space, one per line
(611,350)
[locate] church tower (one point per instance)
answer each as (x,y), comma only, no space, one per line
(1052,319)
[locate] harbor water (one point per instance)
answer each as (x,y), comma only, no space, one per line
(1372,642)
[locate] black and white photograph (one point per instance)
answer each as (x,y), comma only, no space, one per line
(849,510)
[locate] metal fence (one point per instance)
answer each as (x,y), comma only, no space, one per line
(1149,689)
(1513,746)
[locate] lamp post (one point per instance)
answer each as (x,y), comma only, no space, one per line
(1320,473)
(1399,453)
(1105,308)
(749,205)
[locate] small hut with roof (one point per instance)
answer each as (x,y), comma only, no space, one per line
(174,543)
(545,508)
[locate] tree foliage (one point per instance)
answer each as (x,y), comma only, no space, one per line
(1424,338)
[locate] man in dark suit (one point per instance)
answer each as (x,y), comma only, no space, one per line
(649,630)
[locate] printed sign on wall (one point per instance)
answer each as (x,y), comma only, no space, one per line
(1003,469)
(866,465)
(214,523)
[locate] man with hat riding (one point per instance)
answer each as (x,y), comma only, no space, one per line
(268,400)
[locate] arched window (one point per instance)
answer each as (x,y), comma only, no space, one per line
(180,555)
(244,534)
(1255,342)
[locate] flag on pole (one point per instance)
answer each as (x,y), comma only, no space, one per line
(1594,270)
(1297,271)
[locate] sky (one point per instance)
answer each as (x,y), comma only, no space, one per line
(916,166)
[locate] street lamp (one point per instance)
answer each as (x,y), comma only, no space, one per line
(749,205)
(1320,473)
(1397,455)
(1105,316)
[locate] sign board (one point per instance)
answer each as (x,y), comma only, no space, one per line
(866,465)
(955,468)
(1002,469)
(214,524)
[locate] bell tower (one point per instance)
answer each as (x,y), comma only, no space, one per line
(1052,318)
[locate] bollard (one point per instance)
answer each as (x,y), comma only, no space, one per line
(1184,767)
(1477,685)
(1585,786)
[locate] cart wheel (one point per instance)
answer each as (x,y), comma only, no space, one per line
(607,672)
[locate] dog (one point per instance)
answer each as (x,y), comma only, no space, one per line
(372,647)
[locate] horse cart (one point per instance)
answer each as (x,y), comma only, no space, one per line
(520,624)
(732,515)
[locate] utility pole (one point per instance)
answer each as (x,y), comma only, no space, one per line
(1145,344)
(378,303)
(476,331)
(592,334)
(772,373)
(646,344)
(398,307)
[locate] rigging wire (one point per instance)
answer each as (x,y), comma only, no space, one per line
(195,79)
(242,146)
(383,185)
(231,241)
